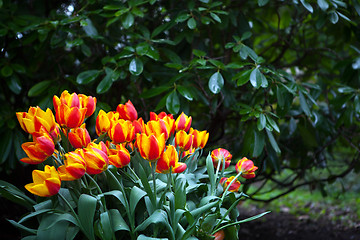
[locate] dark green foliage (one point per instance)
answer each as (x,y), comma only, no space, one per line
(276,81)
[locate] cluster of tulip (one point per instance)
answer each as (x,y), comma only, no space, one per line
(123,129)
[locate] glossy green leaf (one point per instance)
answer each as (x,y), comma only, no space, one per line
(158,217)
(216,83)
(304,105)
(118,223)
(14,84)
(105,84)
(154,92)
(39,88)
(182,17)
(307,6)
(259,143)
(272,123)
(86,212)
(215,17)
(273,142)
(128,20)
(185,92)
(87,77)
(12,193)
(90,29)
(136,195)
(262,3)
(255,78)
(334,18)
(191,23)
(136,66)
(173,103)
(106,229)
(18,68)
(261,122)
(6,71)
(323,4)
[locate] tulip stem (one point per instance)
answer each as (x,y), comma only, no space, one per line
(153,168)
(71,209)
(227,188)
(98,188)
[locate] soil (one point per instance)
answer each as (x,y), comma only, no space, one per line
(285,226)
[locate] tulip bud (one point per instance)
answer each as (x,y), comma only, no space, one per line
(46,183)
(127,111)
(246,167)
(221,154)
(170,160)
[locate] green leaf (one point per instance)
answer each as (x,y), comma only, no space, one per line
(118,223)
(14,84)
(307,6)
(18,68)
(89,28)
(334,18)
(255,78)
(272,123)
(215,17)
(87,77)
(261,122)
(323,4)
(106,229)
(136,195)
(86,212)
(39,88)
(210,171)
(136,66)
(7,71)
(12,193)
(280,96)
(105,84)
(262,3)
(191,23)
(273,142)
(242,77)
(182,17)
(153,92)
(143,237)
(173,103)
(158,217)
(128,21)
(304,105)
(199,53)
(22,227)
(184,92)
(259,143)
(216,83)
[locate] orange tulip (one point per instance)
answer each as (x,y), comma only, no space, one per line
(183,122)
(46,183)
(200,138)
(104,121)
(68,110)
(36,118)
(234,187)
(74,166)
(122,131)
(39,150)
(169,159)
(221,154)
(246,167)
(87,102)
(79,137)
(150,147)
(119,157)
(96,158)
(157,127)
(183,140)
(127,111)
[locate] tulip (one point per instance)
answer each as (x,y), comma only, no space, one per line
(168,118)
(45,183)
(246,167)
(96,158)
(150,147)
(170,160)
(74,166)
(39,150)
(127,111)
(55,134)
(200,138)
(234,187)
(139,125)
(104,121)
(122,131)
(79,137)
(219,235)
(87,102)
(157,127)
(68,110)
(221,154)
(36,118)
(119,157)
(183,140)
(183,122)
(187,153)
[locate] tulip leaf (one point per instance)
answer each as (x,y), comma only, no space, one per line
(39,88)
(22,227)
(173,103)
(210,171)
(86,212)
(158,217)
(87,77)
(105,229)
(118,223)
(136,66)
(14,194)
(48,230)
(216,83)
(143,237)
(136,195)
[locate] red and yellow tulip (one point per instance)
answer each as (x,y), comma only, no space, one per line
(122,131)
(36,118)
(87,102)
(183,122)
(170,160)
(104,121)
(79,137)
(119,157)
(74,166)
(139,125)
(96,158)
(127,111)
(221,154)
(39,150)
(150,147)
(246,167)
(200,138)
(234,187)
(168,118)
(45,183)
(183,140)
(157,128)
